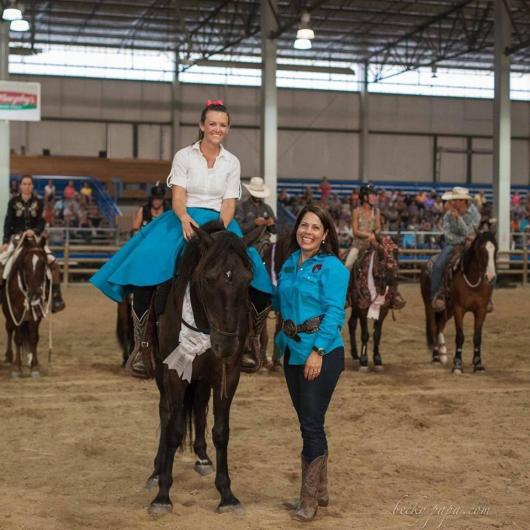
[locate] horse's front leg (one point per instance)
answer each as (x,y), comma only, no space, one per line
(175,432)
(220,436)
(352,327)
(9,350)
(477,341)
(378,329)
(459,340)
(203,464)
(33,361)
(365,335)
(164,413)
(17,372)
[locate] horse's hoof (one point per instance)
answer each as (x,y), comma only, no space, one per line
(443,359)
(457,370)
(364,369)
(379,368)
(35,374)
(15,375)
(202,469)
(236,509)
(152,482)
(159,508)
(478,369)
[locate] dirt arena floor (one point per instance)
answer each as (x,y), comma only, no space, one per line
(413,447)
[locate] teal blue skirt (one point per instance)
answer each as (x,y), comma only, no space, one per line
(149,257)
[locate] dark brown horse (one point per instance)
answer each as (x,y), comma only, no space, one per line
(469,291)
(26,298)
(218,271)
(383,257)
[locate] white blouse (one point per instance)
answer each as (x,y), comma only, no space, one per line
(206,187)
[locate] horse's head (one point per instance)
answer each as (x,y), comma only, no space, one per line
(484,250)
(222,279)
(30,267)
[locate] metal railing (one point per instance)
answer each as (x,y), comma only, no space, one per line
(82,251)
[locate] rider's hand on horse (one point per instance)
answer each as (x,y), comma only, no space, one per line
(270,221)
(313,366)
(187,230)
(4,247)
(260,221)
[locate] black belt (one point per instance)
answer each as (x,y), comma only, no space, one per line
(311,325)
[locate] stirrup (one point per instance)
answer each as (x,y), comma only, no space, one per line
(438,305)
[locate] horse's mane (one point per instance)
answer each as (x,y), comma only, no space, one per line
(481,239)
(223,244)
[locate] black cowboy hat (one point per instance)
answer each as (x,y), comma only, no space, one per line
(158,191)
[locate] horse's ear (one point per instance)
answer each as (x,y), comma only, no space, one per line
(204,239)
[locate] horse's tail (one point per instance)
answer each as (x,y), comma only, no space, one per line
(124,327)
(425,285)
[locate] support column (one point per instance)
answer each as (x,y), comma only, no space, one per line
(363,123)
(269,104)
(502,127)
(4,129)
(175,107)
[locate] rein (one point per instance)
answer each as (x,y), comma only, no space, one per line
(481,276)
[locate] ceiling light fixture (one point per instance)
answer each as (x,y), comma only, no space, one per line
(302,44)
(12,13)
(305,31)
(19,25)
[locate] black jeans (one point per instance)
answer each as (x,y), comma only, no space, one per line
(311,399)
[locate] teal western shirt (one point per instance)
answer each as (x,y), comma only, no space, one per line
(317,287)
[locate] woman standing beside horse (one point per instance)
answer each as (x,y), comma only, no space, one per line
(311,296)
(205,185)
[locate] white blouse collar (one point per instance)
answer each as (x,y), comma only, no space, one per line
(222,151)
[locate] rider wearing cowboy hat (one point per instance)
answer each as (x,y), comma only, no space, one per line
(254,212)
(251,213)
(460,224)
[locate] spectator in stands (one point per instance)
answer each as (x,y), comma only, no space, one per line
(49,194)
(156,205)
(308,195)
(253,212)
(71,211)
(516,200)
(59,209)
(86,192)
(524,224)
(325,190)
(354,199)
(13,188)
(69,191)
(284,197)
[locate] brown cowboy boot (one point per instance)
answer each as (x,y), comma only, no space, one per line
(322,495)
(142,347)
(251,360)
(309,493)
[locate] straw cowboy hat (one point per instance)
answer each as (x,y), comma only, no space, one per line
(257,188)
(457,193)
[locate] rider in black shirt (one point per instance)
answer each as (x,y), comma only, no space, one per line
(24,218)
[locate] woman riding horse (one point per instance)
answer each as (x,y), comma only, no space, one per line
(366,224)
(205,185)
(24,218)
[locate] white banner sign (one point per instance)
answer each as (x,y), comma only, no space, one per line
(19,101)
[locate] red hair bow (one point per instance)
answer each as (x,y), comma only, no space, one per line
(214,102)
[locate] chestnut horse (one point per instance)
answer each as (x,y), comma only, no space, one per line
(469,291)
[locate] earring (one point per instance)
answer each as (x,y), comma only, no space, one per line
(323,242)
